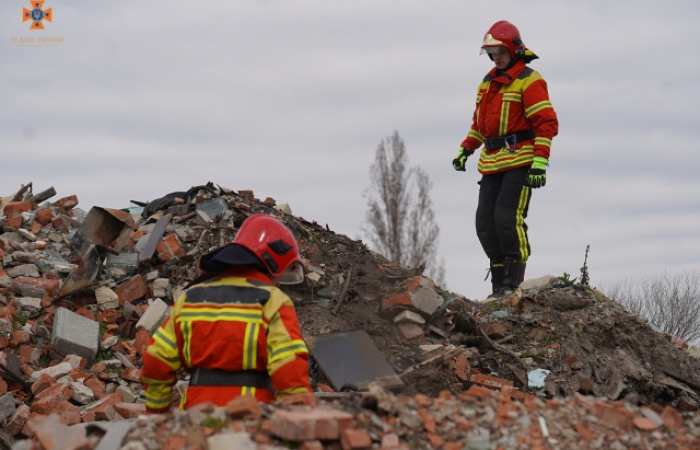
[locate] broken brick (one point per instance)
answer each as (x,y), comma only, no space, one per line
(316,423)
(672,418)
(47,400)
(244,406)
(51,286)
(355,439)
(613,416)
(66,202)
(67,412)
(130,410)
(44,216)
(169,248)
(134,289)
(17,207)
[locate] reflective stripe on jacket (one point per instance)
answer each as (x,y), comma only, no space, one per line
(236,322)
(508,102)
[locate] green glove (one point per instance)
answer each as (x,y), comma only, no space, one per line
(458,162)
(537,175)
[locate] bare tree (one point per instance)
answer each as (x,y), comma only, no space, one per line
(400,218)
(671,303)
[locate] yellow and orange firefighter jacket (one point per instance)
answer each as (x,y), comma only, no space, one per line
(510,102)
(234,329)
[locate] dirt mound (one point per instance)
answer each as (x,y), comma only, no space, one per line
(553,340)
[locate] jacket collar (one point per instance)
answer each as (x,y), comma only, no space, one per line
(248,273)
(508,76)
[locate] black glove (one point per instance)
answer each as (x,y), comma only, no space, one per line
(458,162)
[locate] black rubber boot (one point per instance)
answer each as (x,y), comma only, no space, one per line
(497,272)
(514,274)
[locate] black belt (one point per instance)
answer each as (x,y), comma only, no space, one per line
(509,141)
(220,377)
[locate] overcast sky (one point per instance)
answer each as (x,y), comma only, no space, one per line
(291,99)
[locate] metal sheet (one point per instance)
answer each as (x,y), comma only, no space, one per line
(213,208)
(352,358)
(154,238)
(102,227)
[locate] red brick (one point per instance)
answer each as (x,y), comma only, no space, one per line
(586,386)
(50,286)
(613,416)
(3,386)
(35,228)
(131,374)
(50,397)
(17,207)
(17,420)
(303,398)
(141,341)
(134,289)
(355,439)
(478,392)
(130,410)
(308,424)
(44,216)
(19,338)
(421,399)
(243,406)
(644,424)
(169,248)
(322,387)
(52,434)
(66,202)
(14,221)
(672,418)
(98,367)
(396,300)
(436,440)
(495,330)
(96,386)
(312,445)
(685,404)
(584,432)
(105,411)
(59,224)
(67,412)
(44,381)
(491,382)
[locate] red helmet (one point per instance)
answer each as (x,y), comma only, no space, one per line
(503,34)
(274,245)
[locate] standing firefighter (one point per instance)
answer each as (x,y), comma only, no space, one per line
(236,333)
(515,122)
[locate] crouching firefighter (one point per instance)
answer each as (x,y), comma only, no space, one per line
(515,122)
(236,332)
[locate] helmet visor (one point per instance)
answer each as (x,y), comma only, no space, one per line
(293,275)
(495,50)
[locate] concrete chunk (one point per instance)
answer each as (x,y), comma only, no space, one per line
(75,334)
(106,298)
(56,372)
(81,393)
(152,317)
(408,317)
(7,406)
(24,270)
(28,305)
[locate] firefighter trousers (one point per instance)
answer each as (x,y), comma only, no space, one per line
(504,198)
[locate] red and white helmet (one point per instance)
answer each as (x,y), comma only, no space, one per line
(504,34)
(275,246)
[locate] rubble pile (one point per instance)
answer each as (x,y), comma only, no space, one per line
(554,364)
